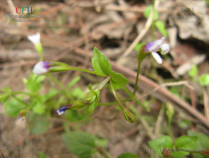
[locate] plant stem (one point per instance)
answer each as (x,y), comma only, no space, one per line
(85,70)
(103,83)
(26,93)
(61,85)
(134,98)
(106,153)
(116,97)
(113,103)
(137,77)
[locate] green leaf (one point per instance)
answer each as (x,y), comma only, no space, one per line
(90,108)
(186,142)
(52,93)
(179,154)
(74,115)
(118,81)
(204,80)
(39,108)
(42,155)
(148,10)
(7,92)
(101,142)
(14,106)
(37,123)
(193,72)
(127,155)
(138,46)
(34,83)
(77,93)
(157,144)
(203,140)
(74,81)
(80,143)
(161,27)
(100,63)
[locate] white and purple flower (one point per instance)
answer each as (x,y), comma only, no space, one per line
(41,67)
(153,47)
(62,110)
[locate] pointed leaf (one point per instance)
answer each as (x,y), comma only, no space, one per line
(118,80)
(100,63)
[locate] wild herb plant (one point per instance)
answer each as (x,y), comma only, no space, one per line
(35,105)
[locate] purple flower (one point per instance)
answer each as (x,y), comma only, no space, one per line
(153,47)
(41,67)
(62,110)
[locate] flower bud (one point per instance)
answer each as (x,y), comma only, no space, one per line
(43,67)
(77,104)
(128,115)
(35,39)
(91,96)
(170,110)
(22,114)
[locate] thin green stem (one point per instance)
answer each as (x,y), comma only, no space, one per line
(134,98)
(26,93)
(116,97)
(137,77)
(61,85)
(85,70)
(113,103)
(103,83)
(106,153)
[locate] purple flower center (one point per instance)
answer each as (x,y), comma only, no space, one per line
(46,64)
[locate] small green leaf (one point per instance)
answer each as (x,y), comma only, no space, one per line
(204,80)
(203,140)
(148,10)
(127,155)
(74,115)
(161,27)
(101,142)
(39,108)
(186,142)
(74,81)
(179,154)
(90,108)
(80,143)
(77,93)
(100,63)
(157,144)
(42,155)
(34,83)
(14,106)
(90,87)
(193,72)
(138,46)
(7,92)
(118,81)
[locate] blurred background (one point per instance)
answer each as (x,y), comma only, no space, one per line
(70,29)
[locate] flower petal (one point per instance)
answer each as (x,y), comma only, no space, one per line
(41,67)
(154,46)
(35,39)
(62,110)
(165,48)
(157,57)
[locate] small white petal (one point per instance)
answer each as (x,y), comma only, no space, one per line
(41,68)
(60,112)
(35,39)
(165,48)
(157,57)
